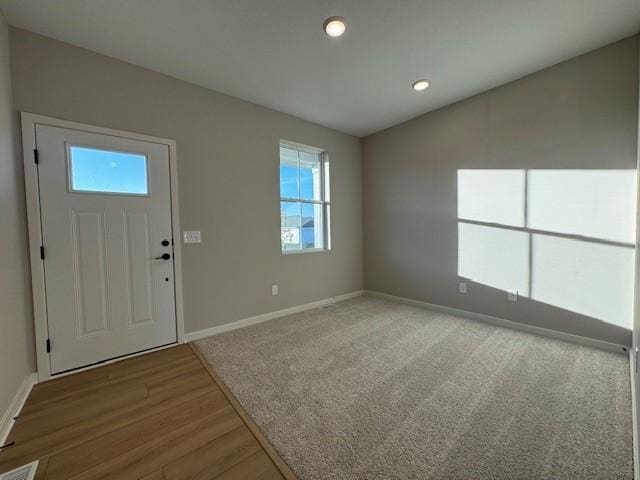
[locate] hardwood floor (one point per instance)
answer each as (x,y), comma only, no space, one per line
(161,416)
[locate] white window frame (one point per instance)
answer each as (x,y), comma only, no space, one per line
(325,198)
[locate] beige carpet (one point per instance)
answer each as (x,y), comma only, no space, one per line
(377,390)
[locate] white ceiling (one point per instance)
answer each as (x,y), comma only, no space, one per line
(274,53)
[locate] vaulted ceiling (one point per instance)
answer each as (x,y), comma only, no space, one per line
(274,52)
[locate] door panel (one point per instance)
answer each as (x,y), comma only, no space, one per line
(137,251)
(93,314)
(106,209)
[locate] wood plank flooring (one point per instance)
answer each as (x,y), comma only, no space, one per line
(161,416)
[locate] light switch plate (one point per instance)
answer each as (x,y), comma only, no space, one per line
(462,286)
(274,290)
(192,236)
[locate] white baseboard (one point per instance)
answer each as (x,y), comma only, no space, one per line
(16,406)
(501,322)
(245,322)
(634,416)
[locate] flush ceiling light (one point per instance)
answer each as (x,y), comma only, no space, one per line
(420,85)
(334,26)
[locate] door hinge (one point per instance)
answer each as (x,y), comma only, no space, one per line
(42,252)
(48,346)
(36,157)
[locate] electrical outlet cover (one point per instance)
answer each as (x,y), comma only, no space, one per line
(462,286)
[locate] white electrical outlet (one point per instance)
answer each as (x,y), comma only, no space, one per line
(462,286)
(512,295)
(192,236)
(274,290)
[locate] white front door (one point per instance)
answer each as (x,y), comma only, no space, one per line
(105,204)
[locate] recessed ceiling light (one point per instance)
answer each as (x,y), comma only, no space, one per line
(334,26)
(420,85)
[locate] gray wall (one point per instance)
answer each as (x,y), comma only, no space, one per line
(16,332)
(227,170)
(580,114)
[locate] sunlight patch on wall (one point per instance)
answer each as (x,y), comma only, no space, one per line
(590,203)
(492,196)
(588,278)
(562,237)
(498,257)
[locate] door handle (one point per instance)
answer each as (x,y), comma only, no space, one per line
(164,256)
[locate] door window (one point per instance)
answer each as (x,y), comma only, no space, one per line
(102,171)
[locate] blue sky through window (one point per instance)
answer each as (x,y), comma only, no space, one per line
(94,170)
(288,181)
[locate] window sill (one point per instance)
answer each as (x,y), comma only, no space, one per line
(307,250)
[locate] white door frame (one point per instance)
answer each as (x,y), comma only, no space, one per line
(29,122)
